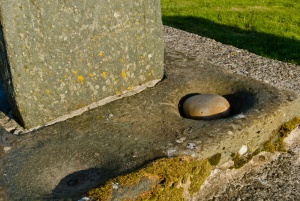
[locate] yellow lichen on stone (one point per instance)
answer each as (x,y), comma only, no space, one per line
(80,79)
(103,74)
(165,179)
(47,91)
(124,75)
(151,73)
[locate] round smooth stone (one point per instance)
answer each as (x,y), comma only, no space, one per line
(206,106)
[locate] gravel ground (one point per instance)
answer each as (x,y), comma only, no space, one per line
(267,176)
(278,180)
(280,74)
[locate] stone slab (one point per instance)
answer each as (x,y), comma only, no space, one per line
(60,56)
(65,160)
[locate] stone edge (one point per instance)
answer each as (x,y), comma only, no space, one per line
(10,125)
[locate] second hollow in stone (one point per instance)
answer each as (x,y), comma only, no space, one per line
(206,107)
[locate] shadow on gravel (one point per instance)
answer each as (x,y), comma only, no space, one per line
(267,45)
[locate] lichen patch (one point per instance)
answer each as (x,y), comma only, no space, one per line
(80,79)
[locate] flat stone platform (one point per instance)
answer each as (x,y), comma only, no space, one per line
(65,160)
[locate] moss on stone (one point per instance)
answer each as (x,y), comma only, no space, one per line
(172,178)
(200,172)
(105,191)
(215,159)
(167,179)
(269,146)
(240,161)
(287,127)
(275,143)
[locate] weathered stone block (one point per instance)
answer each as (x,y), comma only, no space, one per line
(66,160)
(60,56)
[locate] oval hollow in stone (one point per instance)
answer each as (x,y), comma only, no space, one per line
(206,107)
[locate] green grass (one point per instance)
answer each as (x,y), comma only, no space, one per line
(269,28)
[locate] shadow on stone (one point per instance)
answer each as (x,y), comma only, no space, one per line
(4,104)
(6,82)
(240,102)
(182,100)
(78,183)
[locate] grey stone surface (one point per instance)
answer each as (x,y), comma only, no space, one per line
(64,55)
(66,159)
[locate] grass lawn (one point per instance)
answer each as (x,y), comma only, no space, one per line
(269,28)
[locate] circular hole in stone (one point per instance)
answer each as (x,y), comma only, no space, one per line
(212,106)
